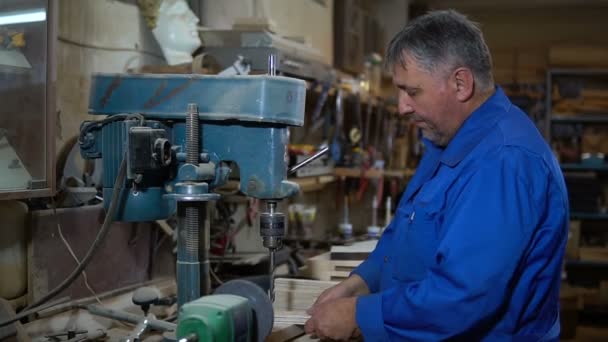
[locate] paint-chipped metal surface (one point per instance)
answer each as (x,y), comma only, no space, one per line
(259,98)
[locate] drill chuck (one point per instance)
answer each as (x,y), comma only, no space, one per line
(272,229)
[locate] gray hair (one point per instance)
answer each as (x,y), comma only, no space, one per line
(443,39)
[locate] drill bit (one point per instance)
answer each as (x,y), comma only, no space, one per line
(271,274)
(272,230)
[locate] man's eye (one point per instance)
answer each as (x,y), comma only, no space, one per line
(411,92)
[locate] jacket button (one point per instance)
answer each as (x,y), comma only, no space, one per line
(385,259)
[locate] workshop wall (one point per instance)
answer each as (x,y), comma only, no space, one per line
(522,41)
(290,18)
(96,36)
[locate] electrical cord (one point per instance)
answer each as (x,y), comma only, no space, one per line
(106,48)
(103,231)
(71,251)
(84,273)
(88,126)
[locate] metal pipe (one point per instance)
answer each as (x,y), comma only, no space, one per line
(90,336)
(139,330)
(128,317)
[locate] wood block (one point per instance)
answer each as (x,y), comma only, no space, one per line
(319,267)
(574,237)
(599,254)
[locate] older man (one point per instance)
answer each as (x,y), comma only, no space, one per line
(476,246)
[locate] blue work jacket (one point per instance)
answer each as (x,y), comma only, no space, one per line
(475,249)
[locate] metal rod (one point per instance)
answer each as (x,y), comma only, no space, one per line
(205,286)
(271,274)
(308,160)
(188,268)
(192,134)
(272,65)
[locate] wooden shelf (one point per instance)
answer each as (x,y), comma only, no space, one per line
(583,167)
(373,173)
(314,183)
(588,216)
(586,263)
(579,118)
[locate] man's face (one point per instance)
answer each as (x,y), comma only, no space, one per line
(427,100)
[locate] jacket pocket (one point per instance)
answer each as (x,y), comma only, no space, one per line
(415,249)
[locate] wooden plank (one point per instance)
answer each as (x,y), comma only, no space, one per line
(287,318)
(284,334)
(298,294)
(584,56)
(599,254)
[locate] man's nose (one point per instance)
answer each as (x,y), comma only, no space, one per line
(405,108)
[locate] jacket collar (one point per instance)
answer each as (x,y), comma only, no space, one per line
(475,127)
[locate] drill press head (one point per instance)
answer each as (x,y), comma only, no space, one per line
(244,120)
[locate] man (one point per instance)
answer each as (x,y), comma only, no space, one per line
(476,246)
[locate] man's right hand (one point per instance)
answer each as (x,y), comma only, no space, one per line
(351,287)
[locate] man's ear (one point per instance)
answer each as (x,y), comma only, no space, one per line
(464,83)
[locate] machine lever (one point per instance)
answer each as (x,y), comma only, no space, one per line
(308,160)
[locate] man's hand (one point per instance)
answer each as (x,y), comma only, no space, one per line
(353,286)
(334,319)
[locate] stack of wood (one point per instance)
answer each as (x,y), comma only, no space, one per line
(589,100)
(293,297)
(298,294)
(337,264)
(344,259)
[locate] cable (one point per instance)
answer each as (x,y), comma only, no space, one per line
(84,273)
(107,48)
(69,248)
(214,275)
(103,231)
(89,125)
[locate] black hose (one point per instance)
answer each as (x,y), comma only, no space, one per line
(103,232)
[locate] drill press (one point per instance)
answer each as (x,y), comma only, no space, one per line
(179,135)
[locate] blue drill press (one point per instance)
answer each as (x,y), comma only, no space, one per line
(169,140)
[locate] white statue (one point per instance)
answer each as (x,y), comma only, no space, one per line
(175,30)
